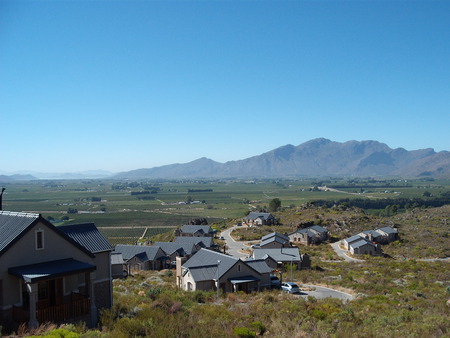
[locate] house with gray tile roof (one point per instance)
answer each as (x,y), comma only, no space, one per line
(275,240)
(62,270)
(314,234)
(171,249)
(192,230)
(388,235)
(118,266)
(197,242)
(258,218)
(142,257)
(355,238)
(279,255)
(363,247)
(209,270)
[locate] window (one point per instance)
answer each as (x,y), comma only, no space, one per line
(39,239)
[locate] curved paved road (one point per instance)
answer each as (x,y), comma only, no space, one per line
(319,292)
(233,247)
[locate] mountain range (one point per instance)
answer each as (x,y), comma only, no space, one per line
(316,158)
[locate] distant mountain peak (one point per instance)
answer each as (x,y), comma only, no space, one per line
(315,158)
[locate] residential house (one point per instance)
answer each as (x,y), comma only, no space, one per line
(275,240)
(142,257)
(118,266)
(172,250)
(276,258)
(371,235)
(388,235)
(191,230)
(384,235)
(363,247)
(50,273)
(208,270)
(258,218)
(347,241)
(192,244)
(311,235)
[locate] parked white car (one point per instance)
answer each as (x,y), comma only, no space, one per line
(290,287)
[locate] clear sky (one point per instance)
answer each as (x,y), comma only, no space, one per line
(122,85)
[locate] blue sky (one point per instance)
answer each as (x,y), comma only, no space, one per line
(121,85)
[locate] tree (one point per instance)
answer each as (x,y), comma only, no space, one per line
(274,204)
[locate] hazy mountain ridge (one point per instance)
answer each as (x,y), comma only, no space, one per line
(315,158)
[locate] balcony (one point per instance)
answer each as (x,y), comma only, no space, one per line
(77,305)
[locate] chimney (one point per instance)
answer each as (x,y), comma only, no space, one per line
(1,199)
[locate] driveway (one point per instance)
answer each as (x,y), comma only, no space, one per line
(343,253)
(233,248)
(321,292)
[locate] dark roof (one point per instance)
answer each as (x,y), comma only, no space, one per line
(354,238)
(360,243)
(207,241)
(192,229)
(143,252)
(88,236)
(207,259)
(374,233)
(278,254)
(318,228)
(41,271)
(171,247)
(202,273)
(259,265)
(245,279)
(262,215)
(13,225)
(275,234)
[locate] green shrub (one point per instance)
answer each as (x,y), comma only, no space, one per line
(244,332)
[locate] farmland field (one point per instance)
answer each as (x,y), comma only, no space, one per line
(125,209)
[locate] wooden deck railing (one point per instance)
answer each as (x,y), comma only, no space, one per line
(78,305)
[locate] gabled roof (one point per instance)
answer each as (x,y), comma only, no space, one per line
(14,225)
(374,233)
(273,239)
(275,234)
(263,215)
(311,231)
(206,241)
(116,258)
(192,229)
(207,258)
(318,228)
(88,236)
(354,238)
(388,230)
(202,273)
(171,247)
(259,265)
(142,252)
(361,243)
(278,254)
